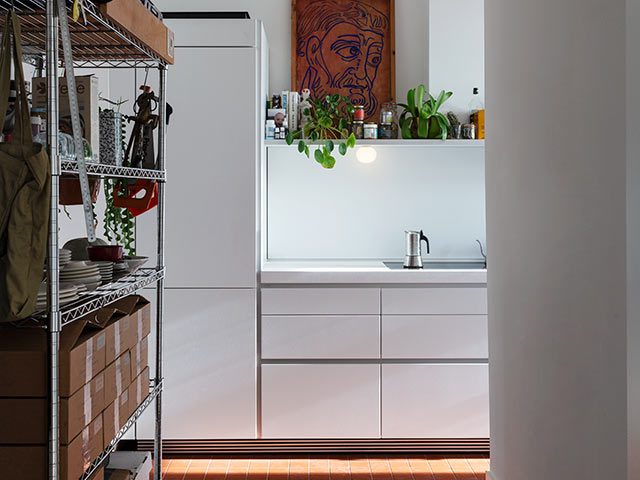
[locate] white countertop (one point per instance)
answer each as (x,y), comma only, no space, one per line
(362,272)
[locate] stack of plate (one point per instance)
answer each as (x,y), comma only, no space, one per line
(81,273)
(64,257)
(106,270)
(68,293)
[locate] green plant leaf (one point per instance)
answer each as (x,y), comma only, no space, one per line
(346,100)
(423,127)
(325,122)
(405,126)
(329,146)
(306,150)
(329,162)
(313,135)
(342,148)
(289,138)
(411,101)
(318,155)
(444,128)
(306,112)
(342,124)
(420,94)
(301,146)
(335,98)
(351,141)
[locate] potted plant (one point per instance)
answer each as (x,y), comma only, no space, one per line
(326,121)
(421,118)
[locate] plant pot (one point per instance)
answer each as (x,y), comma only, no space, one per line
(433,130)
(70,193)
(111,131)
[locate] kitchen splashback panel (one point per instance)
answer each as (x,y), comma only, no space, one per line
(360,211)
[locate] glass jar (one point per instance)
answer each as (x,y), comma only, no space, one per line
(386,131)
(370,131)
(357,128)
(389,117)
(358,113)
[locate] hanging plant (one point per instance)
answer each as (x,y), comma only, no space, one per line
(327,121)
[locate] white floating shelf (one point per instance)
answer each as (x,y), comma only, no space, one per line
(391,143)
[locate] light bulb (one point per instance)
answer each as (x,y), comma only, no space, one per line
(366,154)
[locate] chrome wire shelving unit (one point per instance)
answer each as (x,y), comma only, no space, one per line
(96,43)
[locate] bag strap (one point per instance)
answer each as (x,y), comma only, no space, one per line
(22,131)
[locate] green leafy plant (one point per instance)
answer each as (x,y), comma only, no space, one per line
(327,122)
(421,118)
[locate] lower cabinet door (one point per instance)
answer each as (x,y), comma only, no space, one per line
(435,400)
(209,365)
(320,401)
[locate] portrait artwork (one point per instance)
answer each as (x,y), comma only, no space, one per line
(346,47)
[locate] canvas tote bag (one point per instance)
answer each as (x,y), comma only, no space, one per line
(25,190)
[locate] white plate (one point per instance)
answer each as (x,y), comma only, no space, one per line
(87,280)
(84,273)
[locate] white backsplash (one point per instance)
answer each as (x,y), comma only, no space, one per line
(360,211)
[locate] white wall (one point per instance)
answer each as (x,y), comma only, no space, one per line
(633,236)
(412,25)
(556,225)
(456,52)
(360,211)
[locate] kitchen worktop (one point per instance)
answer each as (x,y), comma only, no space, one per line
(363,272)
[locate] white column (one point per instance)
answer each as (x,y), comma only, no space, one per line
(556,230)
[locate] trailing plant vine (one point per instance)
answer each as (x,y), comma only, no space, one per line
(327,120)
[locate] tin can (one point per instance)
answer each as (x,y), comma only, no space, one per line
(370,131)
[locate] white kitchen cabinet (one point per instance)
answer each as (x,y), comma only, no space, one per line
(320,337)
(435,336)
(435,300)
(320,401)
(209,365)
(320,301)
(435,400)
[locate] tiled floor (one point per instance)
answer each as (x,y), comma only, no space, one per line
(363,467)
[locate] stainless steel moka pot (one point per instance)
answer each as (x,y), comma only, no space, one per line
(413,257)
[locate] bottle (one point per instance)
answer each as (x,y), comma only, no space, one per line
(476,104)
(271,129)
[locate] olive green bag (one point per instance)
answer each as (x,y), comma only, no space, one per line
(25,192)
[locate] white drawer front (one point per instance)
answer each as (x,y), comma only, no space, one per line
(435,301)
(435,401)
(320,337)
(320,401)
(435,336)
(320,301)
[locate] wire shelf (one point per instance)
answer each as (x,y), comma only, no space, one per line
(114,443)
(101,170)
(97,43)
(106,294)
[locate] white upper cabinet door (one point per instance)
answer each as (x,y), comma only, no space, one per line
(435,301)
(212,145)
(320,301)
(320,401)
(435,336)
(213,32)
(209,365)
(321,337)
(435,401)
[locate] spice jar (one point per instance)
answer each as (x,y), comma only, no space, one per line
(358,113)
(357,128)
(386,131)
(370,131)
(388,121)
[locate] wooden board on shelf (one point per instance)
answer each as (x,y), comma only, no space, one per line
(142,24)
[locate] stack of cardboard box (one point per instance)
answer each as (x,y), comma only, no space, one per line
(103,377)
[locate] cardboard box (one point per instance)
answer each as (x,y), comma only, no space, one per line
(134,17)
(134,465)
(140,357)
(118,475)
(87,90)
(25,420)
(477,118)
(30,462)
(139,390)
(24,359)
(117,377)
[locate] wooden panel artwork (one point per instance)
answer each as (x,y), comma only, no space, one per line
(346,47)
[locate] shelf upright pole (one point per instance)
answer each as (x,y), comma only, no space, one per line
(162,147)
(53,263)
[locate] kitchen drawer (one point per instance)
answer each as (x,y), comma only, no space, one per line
(435,401)
(435,336)
(435,301)
(320,401)
(320,301)
(320,337)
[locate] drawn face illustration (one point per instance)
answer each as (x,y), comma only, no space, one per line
(360,54)
(341,46)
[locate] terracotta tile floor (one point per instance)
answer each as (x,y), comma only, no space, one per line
(361,467)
